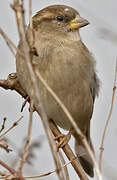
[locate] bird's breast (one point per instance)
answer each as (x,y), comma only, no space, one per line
(69,73)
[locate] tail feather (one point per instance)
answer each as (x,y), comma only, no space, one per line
(84,159)
(88,168)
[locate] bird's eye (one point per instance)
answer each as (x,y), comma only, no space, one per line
(60,18)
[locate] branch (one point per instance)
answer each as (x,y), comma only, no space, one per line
(10,44)
(12,83)
(12,171)
(14,124)
(19,12)
(4,145)
(3,125)
(108,119)
(70,155)
(27,140)
(50,172)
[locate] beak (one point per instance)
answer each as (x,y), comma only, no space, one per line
(78,22)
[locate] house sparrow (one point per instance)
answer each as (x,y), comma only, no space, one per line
(67,66)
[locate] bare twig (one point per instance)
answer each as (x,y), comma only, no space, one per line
(108,119)
(19,11)
(12,84)
(12,171)
(70,155)
(2,173)
(50,172)
(27,140)
(14,124)
(30,24)
(4,145)
(10,44)
(66,174)
(3,125)
(45,174)
(30,13)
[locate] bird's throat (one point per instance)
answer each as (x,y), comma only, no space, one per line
(74,35)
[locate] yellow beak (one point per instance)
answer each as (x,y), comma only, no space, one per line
(78,22)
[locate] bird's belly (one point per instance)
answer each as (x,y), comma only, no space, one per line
(76,99)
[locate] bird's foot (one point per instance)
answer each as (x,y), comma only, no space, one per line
(63,139)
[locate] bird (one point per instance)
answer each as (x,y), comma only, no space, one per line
(67,66)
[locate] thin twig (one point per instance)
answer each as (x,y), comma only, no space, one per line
(12,83)
(75,126)
(30,23)
(2,173)
(108,119)
(27,140)
(4,145)
(50,172)
(3,125)
(13,125)
(11,170)
(66,174)
(10,44)
(30,13)
(19,10)
(3,177)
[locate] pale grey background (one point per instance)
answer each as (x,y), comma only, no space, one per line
(101,38)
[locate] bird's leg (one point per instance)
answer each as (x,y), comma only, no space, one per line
(64,139)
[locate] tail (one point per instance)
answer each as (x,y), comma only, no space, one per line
(84,159)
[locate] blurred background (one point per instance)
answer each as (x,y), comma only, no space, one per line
(101,39)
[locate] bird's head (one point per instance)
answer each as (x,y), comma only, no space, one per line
(58,19)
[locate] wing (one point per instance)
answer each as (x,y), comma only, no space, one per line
(95,86)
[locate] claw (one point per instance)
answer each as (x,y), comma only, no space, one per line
(64,139)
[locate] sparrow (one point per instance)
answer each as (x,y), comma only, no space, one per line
(68,68)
